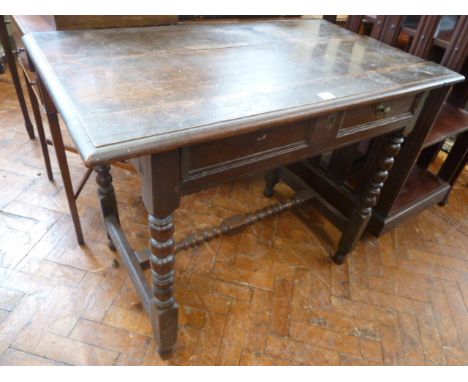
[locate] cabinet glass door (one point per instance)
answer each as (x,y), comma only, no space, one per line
(444,31)
(408,29)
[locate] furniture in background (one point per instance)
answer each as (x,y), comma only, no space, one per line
(23,25)
(2,60)
(411,187)
(449,47)
(260,110)
(395,30)
(10,59)
(66,22)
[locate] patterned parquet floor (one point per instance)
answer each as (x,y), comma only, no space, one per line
(268,296)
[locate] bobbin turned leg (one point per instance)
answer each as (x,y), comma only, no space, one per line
(162,261)
(271,179)
(360,216)
(160,196)
(106,194)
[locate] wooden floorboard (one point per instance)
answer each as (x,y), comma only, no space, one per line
(268,296)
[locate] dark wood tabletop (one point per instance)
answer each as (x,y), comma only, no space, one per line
(128,92)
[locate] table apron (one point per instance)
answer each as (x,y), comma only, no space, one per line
(221,161)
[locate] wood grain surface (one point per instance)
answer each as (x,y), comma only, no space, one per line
(128,92)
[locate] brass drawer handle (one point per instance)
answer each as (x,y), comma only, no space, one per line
(383,110)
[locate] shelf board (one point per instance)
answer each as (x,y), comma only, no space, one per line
(421,188)
(408,31)
(451,121)
(441,43)
(370,19)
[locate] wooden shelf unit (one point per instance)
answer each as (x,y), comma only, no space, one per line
(411,187)
(450,122)
(421,184)
(422,189)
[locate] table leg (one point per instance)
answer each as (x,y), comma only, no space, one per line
(360,216)
(106,195)
(162,262)
(271,179)
(161,199)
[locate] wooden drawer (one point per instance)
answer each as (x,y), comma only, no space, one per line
(234,152)
(294,141)
(377,113)
(237,148)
